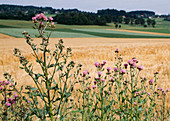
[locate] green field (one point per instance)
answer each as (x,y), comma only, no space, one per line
(15,28)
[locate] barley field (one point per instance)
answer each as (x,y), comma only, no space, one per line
(153,54)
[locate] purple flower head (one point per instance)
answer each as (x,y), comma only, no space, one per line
(115,69)
(42,15)
(15,93)
(8,104)
(151,82)
(149,93)
(135,60)
(99,73)
(130,62)
(104,62)
(108,69)
(96,64)
(102,80)
(93,86)
(52,23)
(9,99)
(45,18)
(140,67)
(164,92)
(95,82)
(13,101)
(134,103)
(158,88)
(85,73)
(15,96)
(97,78)
(161,89)
(134,64)
(38,16)
(50,18)
(1,88)
(28,101)
(33,18)
(112,79)
(125,65)
(167,90)
(123,71)
(117,50)
(7,82)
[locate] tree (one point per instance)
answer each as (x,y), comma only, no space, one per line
(153,23)
(127,20)
(149,21)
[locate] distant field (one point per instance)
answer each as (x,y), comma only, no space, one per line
(15,27)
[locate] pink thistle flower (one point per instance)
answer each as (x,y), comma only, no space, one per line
(134,103)
(115,69)
(99,73)
(15,93)
(8,104)
(125,65)
(33,18)
(95,82)
(134,64)
(52,23)
(164,92)
(108,69)
(149,93)
(1,88)
(140,67)
(151,82)
(9,99)
(38,16)
(112,79)
(167,90)
(123,71)
(7,82)
(45,18)
(158,88)
(93,86)
(130,62)
(97,78)
(96,64)
(13,101)
(50,18)
(28,101)
(15,96)
(135,60)
(117,50)
(85,73)
(102,80)
(42,15)
(104,62)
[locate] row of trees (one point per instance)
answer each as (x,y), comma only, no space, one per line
(79,19)
(140,21)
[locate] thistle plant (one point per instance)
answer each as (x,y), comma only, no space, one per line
(53,87)
(13,107)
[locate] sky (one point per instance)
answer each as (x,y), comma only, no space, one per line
(158,6)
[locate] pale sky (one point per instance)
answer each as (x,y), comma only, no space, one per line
(158,6)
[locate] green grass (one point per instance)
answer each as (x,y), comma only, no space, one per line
(15,28)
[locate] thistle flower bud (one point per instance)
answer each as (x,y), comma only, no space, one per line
(151,82)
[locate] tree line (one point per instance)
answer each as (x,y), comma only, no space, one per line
(77,17)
